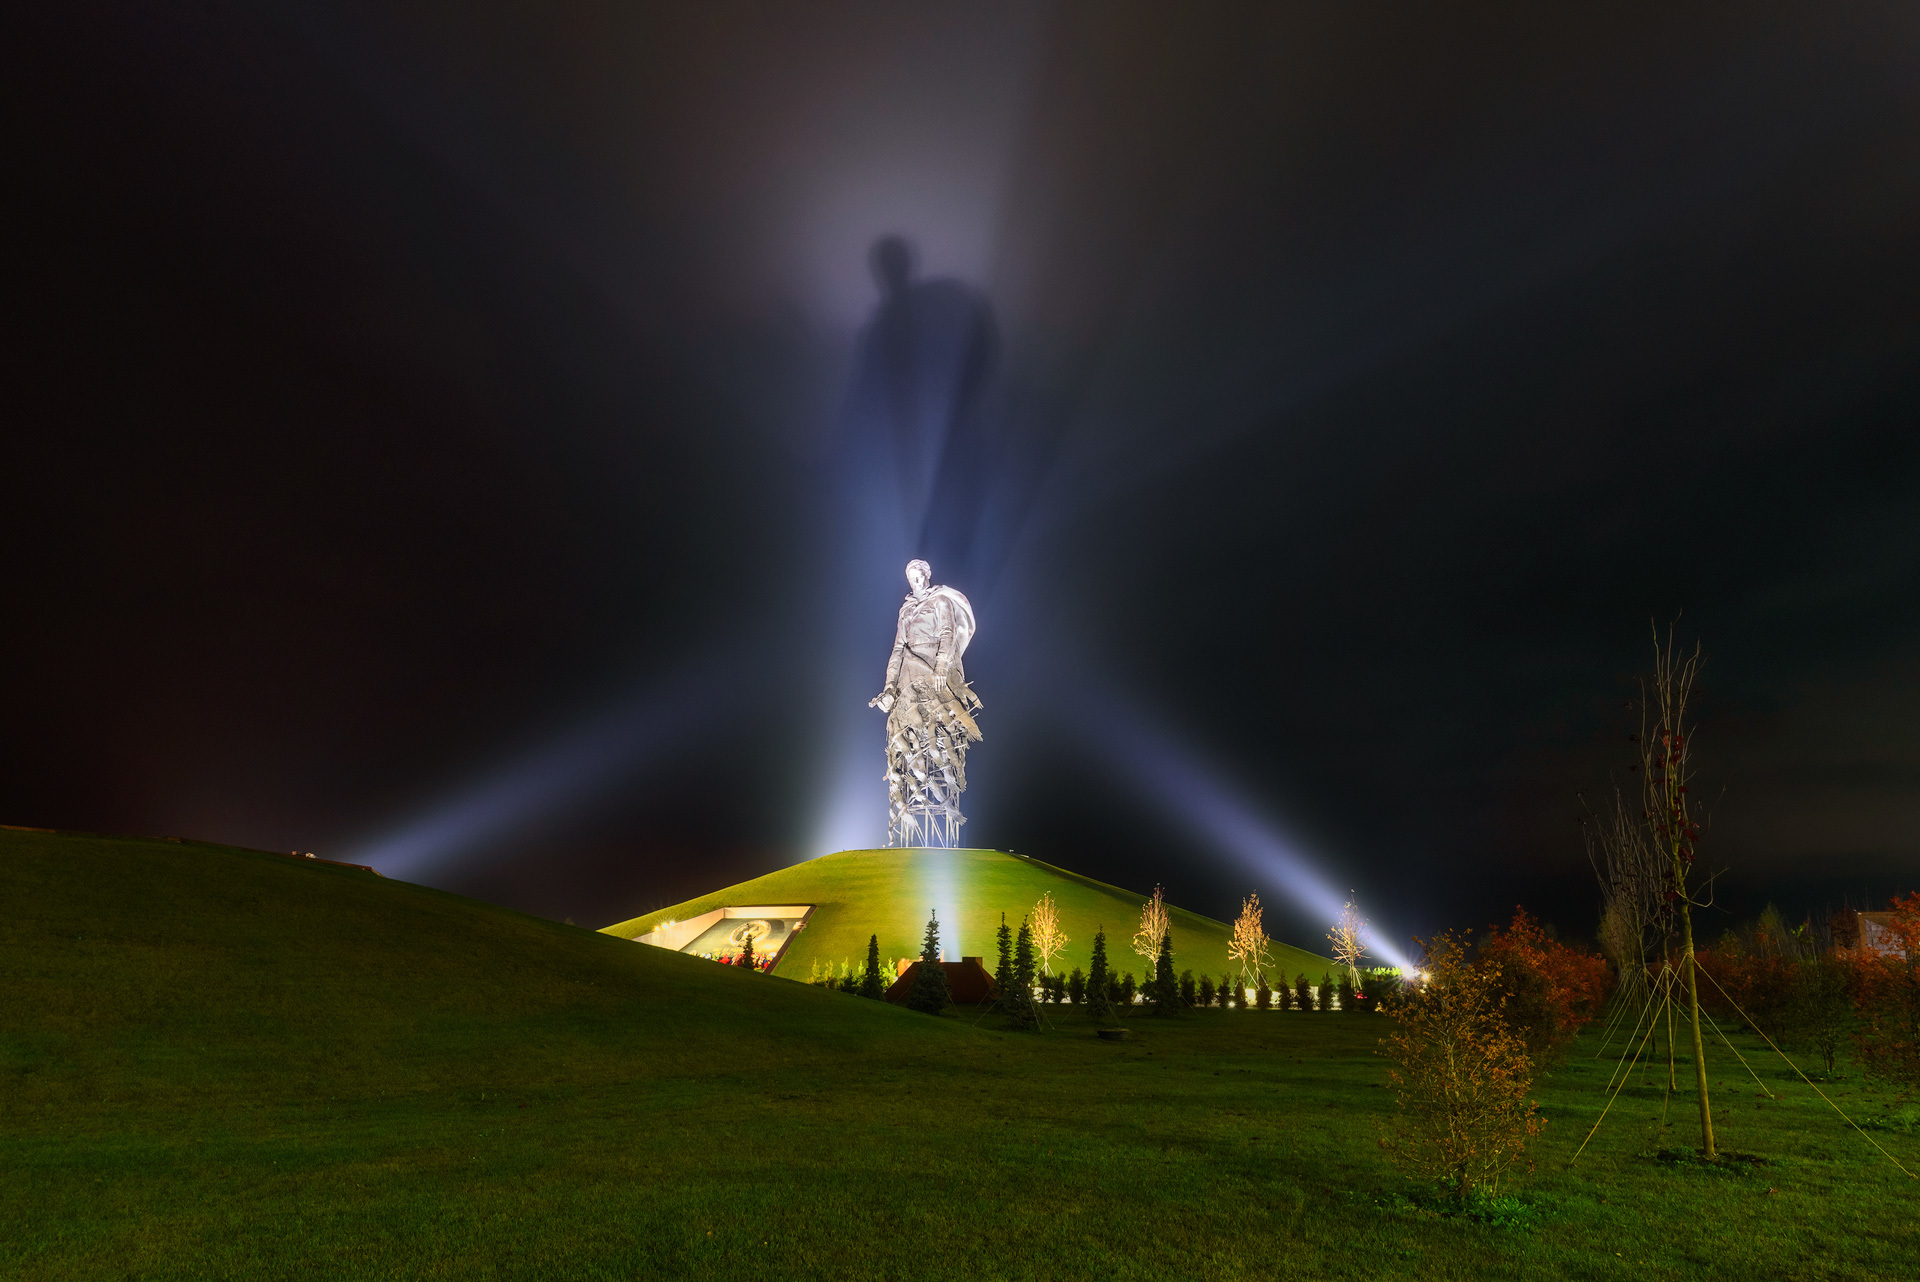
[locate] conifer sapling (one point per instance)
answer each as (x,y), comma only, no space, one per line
(870,983)
(1003,967)
(1164,988)
(930,994)
(1100,978)
(1024,1015)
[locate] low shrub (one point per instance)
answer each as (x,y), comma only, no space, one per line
(1386,985)
(1887,985)
(1761,984)
(1819,1011)
(1460,1076)
(1549,991)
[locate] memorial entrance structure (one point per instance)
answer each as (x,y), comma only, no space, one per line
(929,709)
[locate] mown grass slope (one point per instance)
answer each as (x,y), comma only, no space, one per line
(860,893)
(216,1064)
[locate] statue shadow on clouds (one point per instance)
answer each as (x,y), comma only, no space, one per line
(915,422)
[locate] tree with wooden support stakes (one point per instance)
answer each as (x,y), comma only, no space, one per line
(1665,767)
(1646,866)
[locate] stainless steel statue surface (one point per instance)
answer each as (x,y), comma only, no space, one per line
(929,714)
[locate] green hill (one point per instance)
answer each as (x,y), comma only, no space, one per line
(858,893)
(217,1063)
(185,961)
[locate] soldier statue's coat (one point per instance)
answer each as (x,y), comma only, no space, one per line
(929,709)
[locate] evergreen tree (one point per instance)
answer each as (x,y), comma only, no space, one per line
(1326,993)
(1164,987)
(930,994)
(746,952)
(1077,988)
(1302,992)
(1100,978)
(1024,965)
(1206,990)
(870,985)
(1280,994)
(1229,991)
(1003,969)
(1189,995)
(1128,991)
(1263,994)
(1346,994)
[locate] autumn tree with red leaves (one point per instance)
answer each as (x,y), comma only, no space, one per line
(1551,991)
(1888,988)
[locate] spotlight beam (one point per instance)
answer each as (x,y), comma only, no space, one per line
(1183,786)
(638,731)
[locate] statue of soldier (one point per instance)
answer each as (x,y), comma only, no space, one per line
(929,714)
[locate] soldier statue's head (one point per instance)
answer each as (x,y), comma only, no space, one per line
(892,261)
(919,575)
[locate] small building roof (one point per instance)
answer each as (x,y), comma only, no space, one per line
(967,980)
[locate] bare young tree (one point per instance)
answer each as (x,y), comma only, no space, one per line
(1049,940)
(1153,925)
(1345,938)
(1248,946)
(1635,917)
(1646,862)
(1666,765)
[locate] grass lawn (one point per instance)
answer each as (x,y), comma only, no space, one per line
(888,892)
(219,1064)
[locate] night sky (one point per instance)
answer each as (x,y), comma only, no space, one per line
(474,438)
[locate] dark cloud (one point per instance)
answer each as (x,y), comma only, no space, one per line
(397,389)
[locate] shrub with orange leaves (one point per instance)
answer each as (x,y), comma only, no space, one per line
(1552,991)
(1760,985)
(1887,985)
(1460,1075)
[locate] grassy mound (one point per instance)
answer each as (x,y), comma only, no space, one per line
(221,1064)
(166,964)
(888,892)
